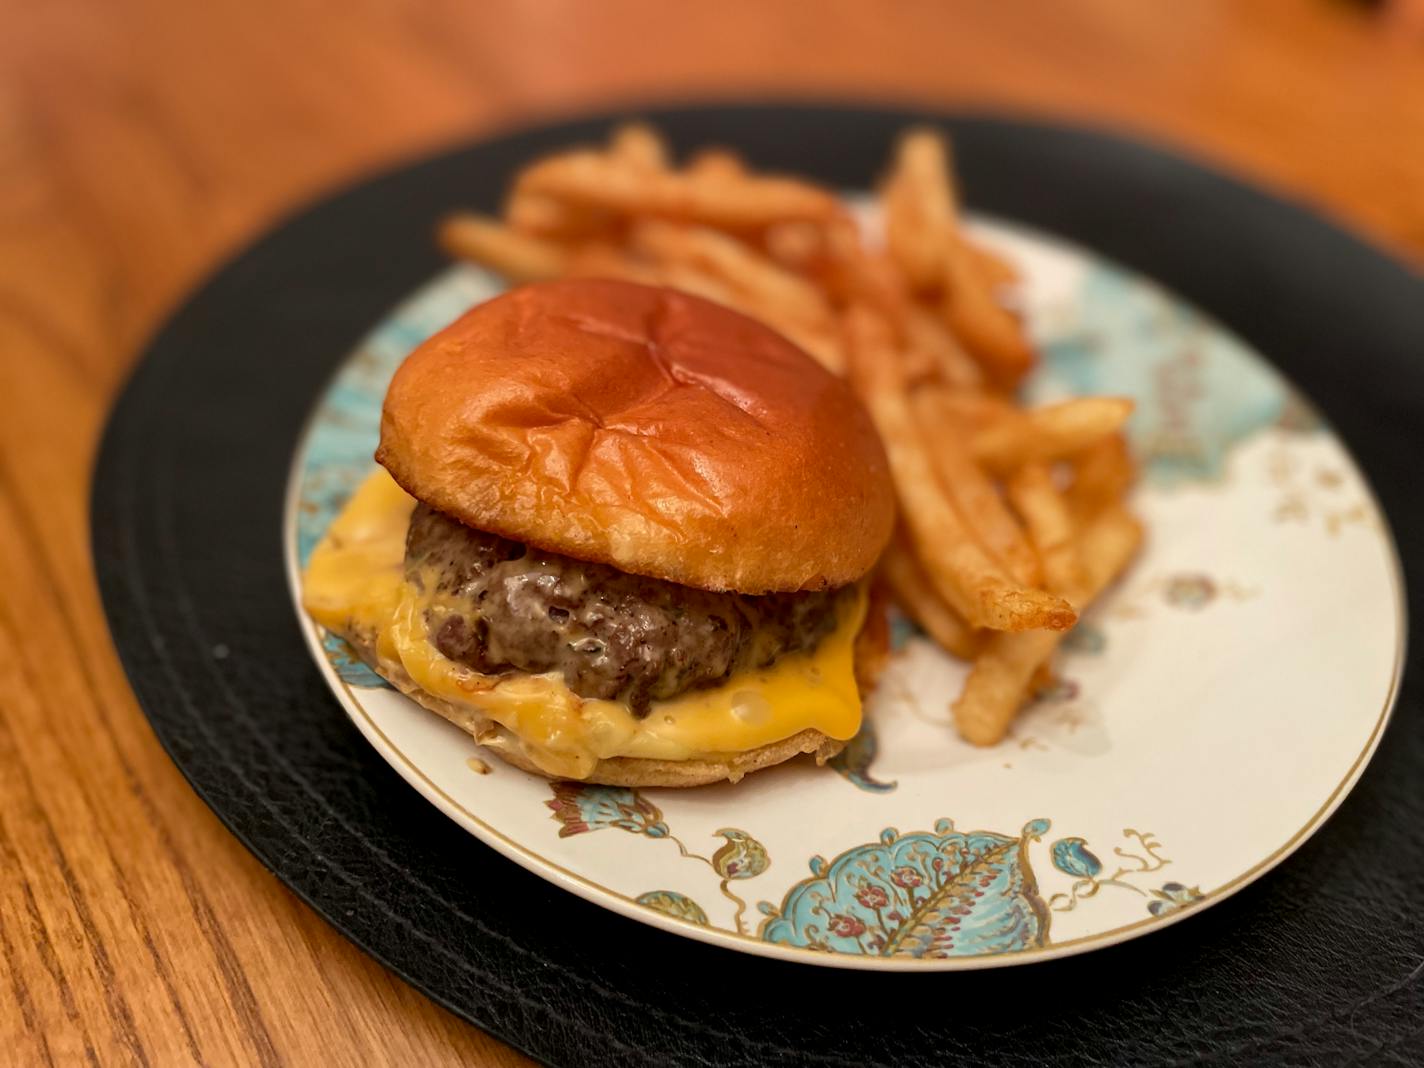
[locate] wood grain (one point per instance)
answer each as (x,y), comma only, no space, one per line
(141,141)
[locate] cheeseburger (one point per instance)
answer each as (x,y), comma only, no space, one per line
(621,535)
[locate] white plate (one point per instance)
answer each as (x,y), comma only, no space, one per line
(1214,709)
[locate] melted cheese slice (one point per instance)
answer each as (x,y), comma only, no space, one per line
(355,585)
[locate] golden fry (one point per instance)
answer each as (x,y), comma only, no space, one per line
(938,351)
(1102,475)
(999,682)
(717,162)
(991,333)
(1050,527)
(639,145)
(735,203)
(541,216)
(915,594)
(919,208)
(1000,678)
(741,266)
(1042,678)
(795,244)
(995,271)
(710,264)
(971,492)
(962,573)
(601,259)
(606,261)
(488,242)
(1053,432)
(969,412)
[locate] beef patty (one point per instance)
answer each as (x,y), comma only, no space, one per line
(504,606)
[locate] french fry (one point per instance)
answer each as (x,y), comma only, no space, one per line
(795,244)
(937,350)
(962,573)
(606,261)
(635,144)
(999,681)
(746,280)
(998,684)
(971,492)
(1044,511)
(519,257)
(717,162)
(601,259)
(639,145)
(598,260)
(750,202)
(851,274)
(1053,432)
(919,209)
(994,269)
(1102,475)
(913,590)
(541,216)
(741,266)
(969,412)
(1041,679)
(872,280)
(989,331)
(923,234)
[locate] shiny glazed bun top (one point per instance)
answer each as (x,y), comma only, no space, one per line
(644,428)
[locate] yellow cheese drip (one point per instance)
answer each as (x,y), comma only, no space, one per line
(355,582)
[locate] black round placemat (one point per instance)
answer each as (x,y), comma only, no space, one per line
(1318,962)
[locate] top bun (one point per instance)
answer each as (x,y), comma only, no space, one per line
(643,428)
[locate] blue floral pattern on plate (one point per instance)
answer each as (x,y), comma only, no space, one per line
(925,894)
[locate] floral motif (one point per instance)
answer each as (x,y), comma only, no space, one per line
(1173,897)
(349,667)
(1086,637)
(671,903)
(1199,391)
(843,926)
(872,897)
(1321,492)
(1059,691)
(853,762)
(906,877)
(581,808)
(742,857)
(1190,591)
(1072,857)
(928,894)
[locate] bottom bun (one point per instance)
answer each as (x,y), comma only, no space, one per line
(871,651)
(640,771)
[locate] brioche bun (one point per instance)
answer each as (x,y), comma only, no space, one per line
(643,428)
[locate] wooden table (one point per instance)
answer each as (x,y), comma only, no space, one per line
(142,141)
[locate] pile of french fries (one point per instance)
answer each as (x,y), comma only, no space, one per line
(1012,519)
